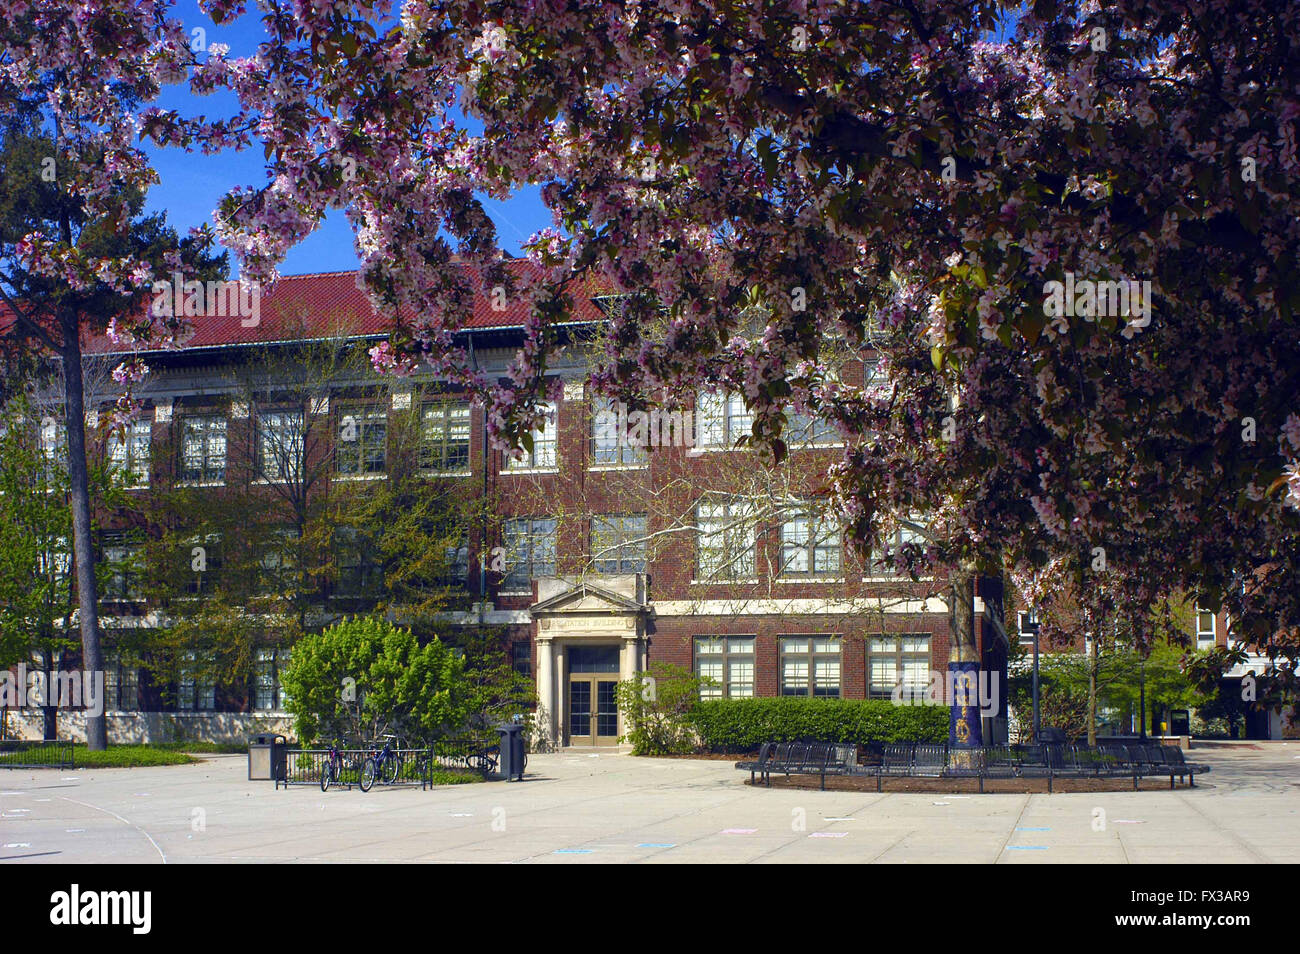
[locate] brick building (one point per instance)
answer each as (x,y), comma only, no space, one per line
(603,555)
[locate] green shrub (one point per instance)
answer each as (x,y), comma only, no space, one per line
(656,707)
(746,724)
(362,677)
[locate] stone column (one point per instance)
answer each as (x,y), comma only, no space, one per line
(629,665)
(546,686)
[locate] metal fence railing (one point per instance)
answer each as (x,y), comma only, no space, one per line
(405,766)
(25,755)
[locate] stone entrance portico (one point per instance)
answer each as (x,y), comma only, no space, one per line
(606,612)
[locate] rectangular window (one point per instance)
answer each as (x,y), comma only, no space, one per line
(618,543)
(1025,621)
(810,429)
(521,658)
(810,546)
(444,448)
(362,446)
(194,691)
(280,442)
(1206,629)
(54,450)
(277,562)
(726,543)
(530,551)
(729,662)
(203,559)
(810,666)
(544,450)
(360,573)
(121,553)
(128,452)
(268,694)
(887,562)
(121,685)
(892,660)
(613,440)
(203,449)
(54,560)
(457,564)
(722,419)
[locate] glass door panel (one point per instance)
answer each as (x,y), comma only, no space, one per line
(606,709)
(579,712)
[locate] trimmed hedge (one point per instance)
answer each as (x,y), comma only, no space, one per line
(748,723)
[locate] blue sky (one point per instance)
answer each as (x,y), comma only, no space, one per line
(192,183)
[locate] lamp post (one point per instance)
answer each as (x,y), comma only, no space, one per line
(1142,697)
(1031,625)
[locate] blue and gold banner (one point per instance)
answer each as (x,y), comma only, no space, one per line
(964,725)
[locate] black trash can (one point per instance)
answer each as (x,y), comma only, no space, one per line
(268,757)
(511,765)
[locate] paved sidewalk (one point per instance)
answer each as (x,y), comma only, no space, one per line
(585,807)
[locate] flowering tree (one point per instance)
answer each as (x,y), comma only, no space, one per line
(930,180)
(75,254)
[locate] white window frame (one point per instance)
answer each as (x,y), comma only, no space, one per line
(723,658)
(213,441)
(546,445)
(129,453)
(721,418)
(271,467)
(726,542)
(441,424)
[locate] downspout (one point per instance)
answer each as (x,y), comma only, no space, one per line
(483,540)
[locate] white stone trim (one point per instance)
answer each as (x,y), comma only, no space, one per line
(797,607)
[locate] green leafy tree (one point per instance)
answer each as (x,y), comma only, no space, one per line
(363,677)
(36,592)
(496,692)
(291,542)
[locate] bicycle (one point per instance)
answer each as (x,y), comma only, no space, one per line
(485,760)
(332,768)
(386,765)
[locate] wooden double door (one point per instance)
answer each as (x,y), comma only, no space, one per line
(591,701)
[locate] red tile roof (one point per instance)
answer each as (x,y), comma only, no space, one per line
(329,304)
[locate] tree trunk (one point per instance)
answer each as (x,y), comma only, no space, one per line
(92,660)
(964,725)
(1093,664)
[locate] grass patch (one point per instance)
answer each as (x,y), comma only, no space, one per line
(456,777)
(129,756)
(203,748)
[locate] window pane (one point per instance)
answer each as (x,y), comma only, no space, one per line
(543,453)
(740,678)
(794,677)
(445,447)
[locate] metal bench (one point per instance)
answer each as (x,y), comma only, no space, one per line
(1049,760)
(801,758)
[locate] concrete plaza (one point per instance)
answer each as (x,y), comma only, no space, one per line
(584,806)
